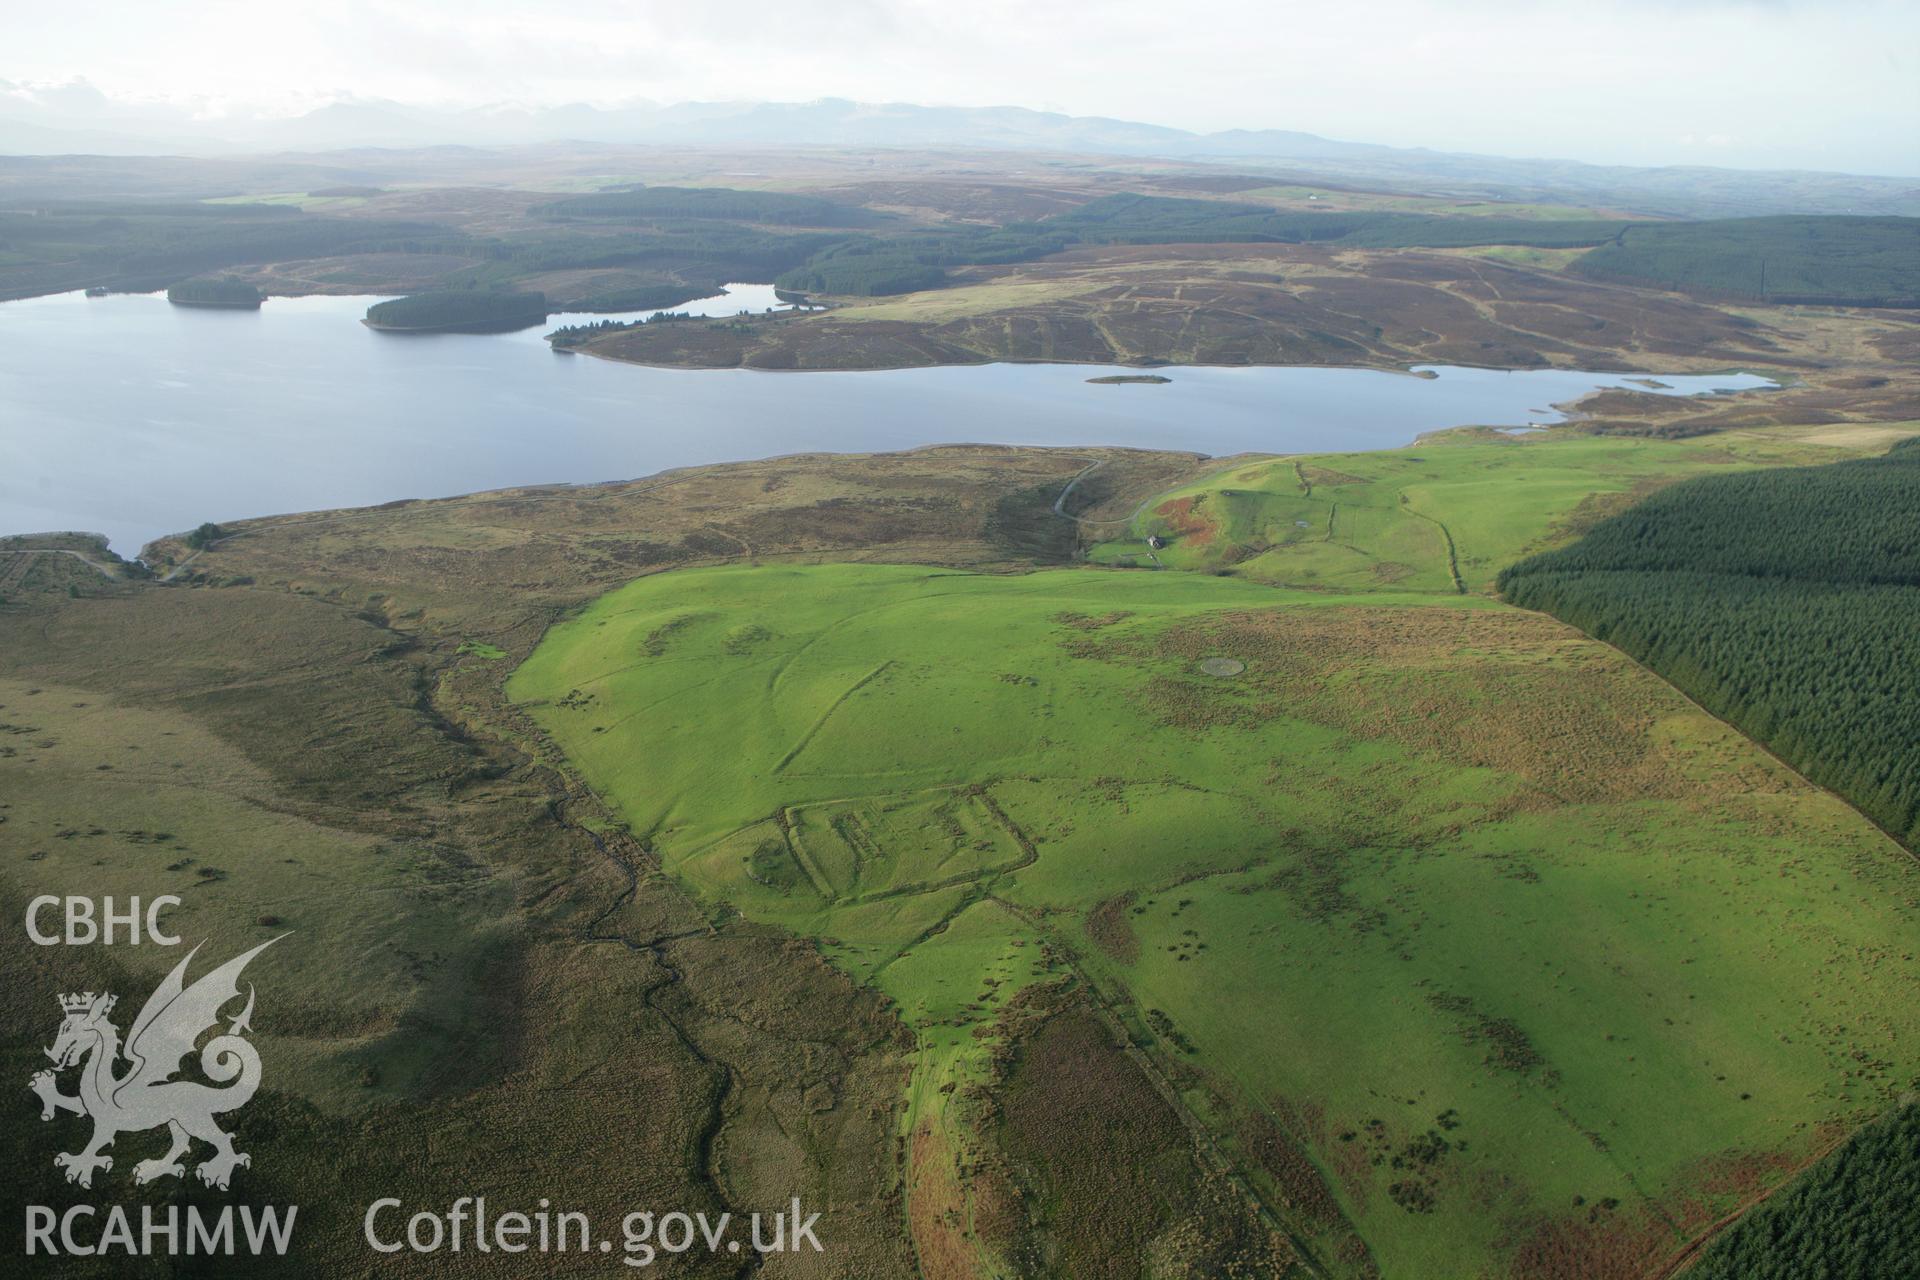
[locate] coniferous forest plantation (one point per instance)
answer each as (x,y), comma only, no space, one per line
(1786,601)
(1853,1215)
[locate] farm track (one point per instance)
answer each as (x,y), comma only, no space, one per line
(1059,507)
(1059,503)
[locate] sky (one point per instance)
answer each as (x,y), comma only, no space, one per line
(1828,84)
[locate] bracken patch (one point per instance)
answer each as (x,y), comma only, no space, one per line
(1107,925)
(1497,689)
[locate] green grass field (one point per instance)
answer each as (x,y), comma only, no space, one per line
(1468,503)
(1540,966)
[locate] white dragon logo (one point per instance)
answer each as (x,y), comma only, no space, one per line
(145,1095)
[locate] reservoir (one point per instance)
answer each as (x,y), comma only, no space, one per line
(130,417)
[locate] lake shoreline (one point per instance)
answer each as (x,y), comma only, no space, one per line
(1422,372)
(207,413)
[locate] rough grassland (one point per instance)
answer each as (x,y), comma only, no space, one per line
(1539,967)
(133,801)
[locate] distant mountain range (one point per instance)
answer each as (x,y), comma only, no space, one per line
(78,119)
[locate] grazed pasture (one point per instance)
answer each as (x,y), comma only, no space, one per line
(1473,943)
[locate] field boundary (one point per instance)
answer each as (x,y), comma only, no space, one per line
(827,715)
(1691,1251)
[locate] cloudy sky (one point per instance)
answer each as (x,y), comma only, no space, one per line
(1831,84)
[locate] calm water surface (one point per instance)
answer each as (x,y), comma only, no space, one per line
(135,418)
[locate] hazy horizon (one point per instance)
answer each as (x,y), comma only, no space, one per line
(1769,84)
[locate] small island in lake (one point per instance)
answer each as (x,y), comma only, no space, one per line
(1128,379)
(458,311)
(216,292)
